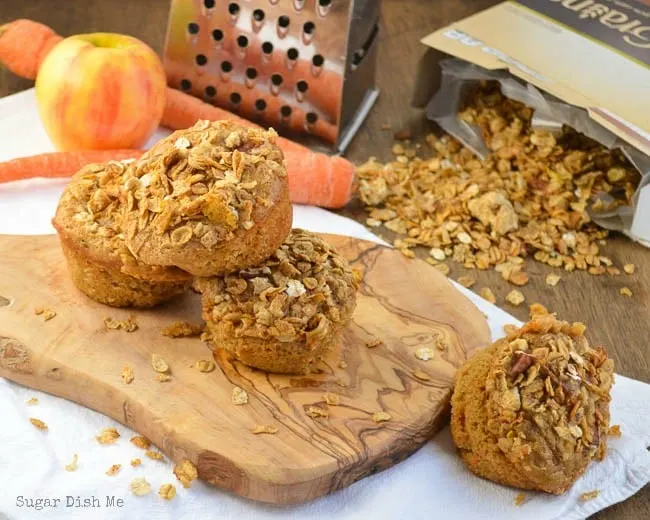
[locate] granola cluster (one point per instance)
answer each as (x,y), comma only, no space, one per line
(202,183)
(297,294)
(532,196)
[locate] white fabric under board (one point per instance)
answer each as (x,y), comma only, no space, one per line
(432,483)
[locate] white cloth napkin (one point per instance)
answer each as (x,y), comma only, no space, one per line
(431,483)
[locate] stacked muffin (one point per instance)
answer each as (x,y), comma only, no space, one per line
(210,203)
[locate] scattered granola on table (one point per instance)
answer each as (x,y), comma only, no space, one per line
(532,410)
(127,325)
(186,472)
(127,374)
(614,430)
(32,401)
(163,378)
(38,423)
(45,312)
(376,342)
(589,495)
(154,455)
(205,365)
(140,487)
(159,364)
(239,396)
(73,465)
(264,428)
(625,291)
(515,297)
(520,499)
(332,399)
(182,329)
(316,411)
(108,436)
(114,470)
(136,462)
(424,353)
(487,294)
(380,417)
(530,198)
(167,491)
(553,279)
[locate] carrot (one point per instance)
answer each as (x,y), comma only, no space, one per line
(314,178)
(24,45)
(59,164)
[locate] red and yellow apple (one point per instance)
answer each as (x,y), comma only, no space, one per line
(100,91)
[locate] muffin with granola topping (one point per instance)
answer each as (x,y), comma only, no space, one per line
(88,223)
(285,313)
(210,199)
(532,410)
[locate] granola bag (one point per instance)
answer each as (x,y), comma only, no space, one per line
(459,77)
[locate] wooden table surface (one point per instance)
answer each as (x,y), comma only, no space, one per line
(618,322)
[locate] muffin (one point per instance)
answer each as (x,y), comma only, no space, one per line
(532,410)
(285,313)
(210,199)
(87,221)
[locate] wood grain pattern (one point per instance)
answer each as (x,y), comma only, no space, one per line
(621,324)
(402,302)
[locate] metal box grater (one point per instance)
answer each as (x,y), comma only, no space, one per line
(305,67)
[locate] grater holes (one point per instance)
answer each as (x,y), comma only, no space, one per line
(276,82)
(186,84)
(309,27)
(226,66)
(317,60)
(201,59)
(284,21)
(251,73)
(324,7)
(209,4)
(292,54)
(193,28)
(235,98)
(302,86)
(242,41)
(311,118)
(285,111)
(233,8)
(258,15)
(267,47)
(260,105)
(217,35)
(210,91)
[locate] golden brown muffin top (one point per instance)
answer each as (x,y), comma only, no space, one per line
(88,217)
(548,395)
(297,294)
(206,182)
(88,210)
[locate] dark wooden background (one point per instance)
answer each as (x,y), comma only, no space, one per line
(620,323)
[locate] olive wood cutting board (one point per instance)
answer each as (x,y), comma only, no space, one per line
(404,303)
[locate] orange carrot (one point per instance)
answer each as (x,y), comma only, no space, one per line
(24,45)
(59,164)
(314,178)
